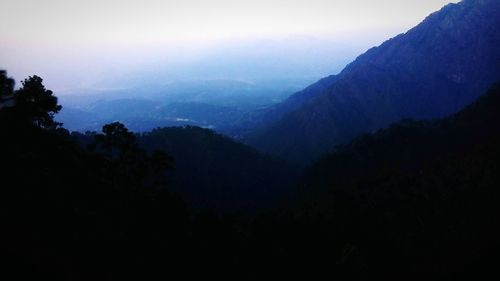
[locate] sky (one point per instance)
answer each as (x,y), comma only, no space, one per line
(60,33)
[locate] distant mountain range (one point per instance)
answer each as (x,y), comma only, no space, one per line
(217,104)
(432,71)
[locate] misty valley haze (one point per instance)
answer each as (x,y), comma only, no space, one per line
(164,53)
(250,140)
(242,76)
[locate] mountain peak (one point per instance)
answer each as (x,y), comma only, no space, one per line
(433,70)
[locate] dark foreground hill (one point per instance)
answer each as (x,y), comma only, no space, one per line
(433,70)
(214,172)
(418,199)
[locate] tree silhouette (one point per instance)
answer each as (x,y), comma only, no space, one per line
(6,84)
(36,103)
(129,164)
(116,141)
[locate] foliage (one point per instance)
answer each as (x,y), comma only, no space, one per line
(215,172)
(6,84)
(32,103)
(418,200)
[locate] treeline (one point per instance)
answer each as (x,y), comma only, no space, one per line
(99,206)
(214,172)
(418,200)
(70,214)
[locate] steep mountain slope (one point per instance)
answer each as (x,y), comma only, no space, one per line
(433,70)
(262,117)
(414,147)
(421,196)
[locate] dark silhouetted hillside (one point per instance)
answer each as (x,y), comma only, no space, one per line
(418,200)
(213,171)
(421,197)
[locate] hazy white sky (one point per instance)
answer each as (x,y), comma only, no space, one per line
(98,22)
(31,31)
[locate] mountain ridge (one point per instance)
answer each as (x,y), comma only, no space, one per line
(431,71)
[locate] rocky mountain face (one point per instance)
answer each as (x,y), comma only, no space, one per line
(433,70)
